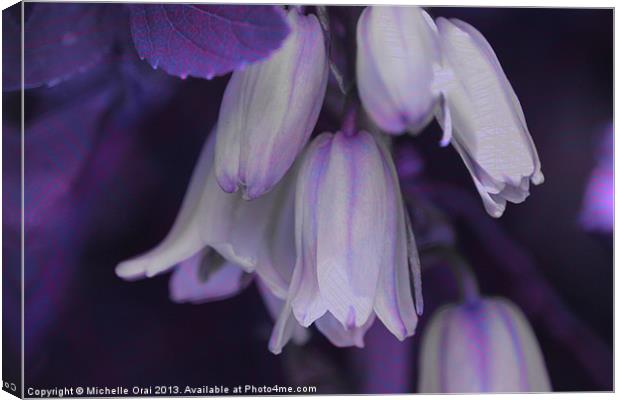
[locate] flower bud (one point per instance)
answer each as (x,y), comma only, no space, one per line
(269,111)
(397,53)
(481,346)
(489,129)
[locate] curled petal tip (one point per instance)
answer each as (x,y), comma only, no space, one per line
(401,335)
(254,192)
(225,183)
(302,317)
(538,178)
(274,348)
(137,268)
(129,270)
(285,329)
(419,308)
(495,212)
(150,273)
(445,140)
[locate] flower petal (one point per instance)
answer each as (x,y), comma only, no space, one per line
(446,124)
(394,302)
(352,216)
(286,327)
(277,257)
(340,336)
(414,264)
(206,277)
(533,375)
(305,298)
(275,305)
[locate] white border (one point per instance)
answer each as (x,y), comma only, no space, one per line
(458,3)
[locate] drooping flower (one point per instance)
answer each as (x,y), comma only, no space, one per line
(485,345)
(238,230)
(488,126)
(354,245)
(408,69)
(269,111)
(397,53)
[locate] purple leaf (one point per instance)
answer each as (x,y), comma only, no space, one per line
(61,39)
(206,40)
(58,144)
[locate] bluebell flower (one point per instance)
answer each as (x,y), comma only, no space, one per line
(410,69)
(270,109)
(485,345)
(354,245)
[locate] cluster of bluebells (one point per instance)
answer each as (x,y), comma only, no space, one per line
(318,221)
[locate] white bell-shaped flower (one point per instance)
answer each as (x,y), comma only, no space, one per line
(269,111)
(397,54)
(354,246)
(484,118)
(482,346)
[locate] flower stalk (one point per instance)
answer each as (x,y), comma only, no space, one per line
(461,271)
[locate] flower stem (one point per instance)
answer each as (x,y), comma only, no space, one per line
(323,17)
(349,121)
(464,275)
(541,303)
(461,271)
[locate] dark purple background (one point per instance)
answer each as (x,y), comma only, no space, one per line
(109,153)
